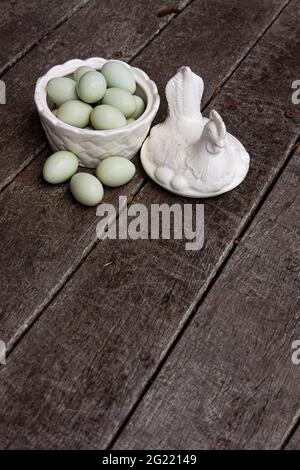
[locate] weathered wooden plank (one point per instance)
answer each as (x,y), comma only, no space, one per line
(78,372)
(46,234)
(107,31)
(23,24)
(294,443)
(291,439)
(230,381)
(207,32)
(51,222)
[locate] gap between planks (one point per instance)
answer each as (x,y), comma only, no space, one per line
(23,330)
(200,340)
(35,43)
(210,285)
(171,16)
(249,50)
(291,431)
(133,56)
(279,169)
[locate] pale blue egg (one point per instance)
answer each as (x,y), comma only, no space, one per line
(61,89)
(86,189)
(120,99)
(105,117)
(81,71)
(118,75)
(60,166)
(115,171)
(91,87)
(75,112)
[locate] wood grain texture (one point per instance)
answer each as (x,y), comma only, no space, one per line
(23,24)
(230,381)
(56,233)
(103,29)
(294,443)
(75,376)
(212,37)
(46,234)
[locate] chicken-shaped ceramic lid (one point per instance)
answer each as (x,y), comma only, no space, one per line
(188,154)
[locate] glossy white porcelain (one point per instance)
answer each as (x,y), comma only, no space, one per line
(188,154)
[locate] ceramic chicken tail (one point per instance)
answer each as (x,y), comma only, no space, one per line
(184,93)
(183,126)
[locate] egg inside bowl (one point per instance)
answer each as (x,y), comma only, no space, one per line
(90,145)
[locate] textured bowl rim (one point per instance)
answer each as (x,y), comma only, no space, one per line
(149,87)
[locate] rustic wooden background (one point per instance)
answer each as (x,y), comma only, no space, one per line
(130,345)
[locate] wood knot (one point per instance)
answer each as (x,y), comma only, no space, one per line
(35,24)
(60,43)
(291,114)
(117,55)
(231,104)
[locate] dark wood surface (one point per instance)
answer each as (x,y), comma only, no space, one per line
(230,381)
(90,325)
(58,233)
(294,442)
(84,35)
(24,23)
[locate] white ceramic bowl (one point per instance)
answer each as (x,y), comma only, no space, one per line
(90,145)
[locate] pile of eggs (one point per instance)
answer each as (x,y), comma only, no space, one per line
(101,99)
(86,188)
(98,99)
